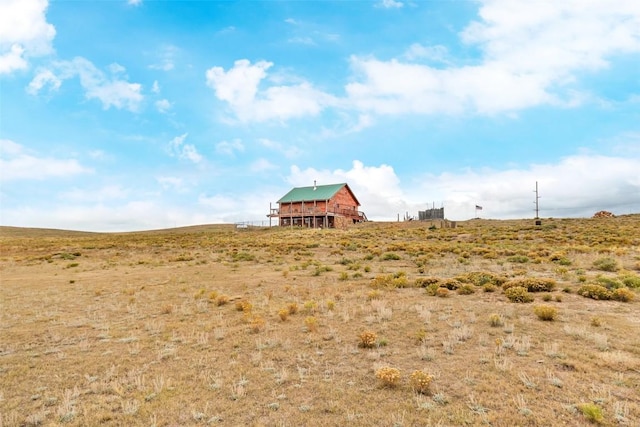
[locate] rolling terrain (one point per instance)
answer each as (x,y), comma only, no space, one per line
(401,324)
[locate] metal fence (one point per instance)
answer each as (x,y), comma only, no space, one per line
(429,214)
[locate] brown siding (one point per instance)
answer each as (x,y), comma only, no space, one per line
(344,199)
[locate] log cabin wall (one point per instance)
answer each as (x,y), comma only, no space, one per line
(322,206)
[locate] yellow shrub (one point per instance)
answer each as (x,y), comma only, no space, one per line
(244,306)
(293,308)
(623,294)
(388,376)
(420,381)
(546,312)
(311,323)
(368,339)
(257,324)
(283,314)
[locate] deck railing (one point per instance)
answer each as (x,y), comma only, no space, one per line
(314,211)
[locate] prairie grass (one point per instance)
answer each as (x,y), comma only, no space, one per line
(199,326)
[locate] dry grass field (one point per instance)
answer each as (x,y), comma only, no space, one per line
(385,324)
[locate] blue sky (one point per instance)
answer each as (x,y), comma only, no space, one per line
(130,115)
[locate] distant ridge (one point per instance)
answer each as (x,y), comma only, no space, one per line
(32,232)
(10,231)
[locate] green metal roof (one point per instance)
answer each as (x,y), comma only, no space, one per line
(309,194)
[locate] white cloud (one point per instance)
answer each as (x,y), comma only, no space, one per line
(376,187)
(24,33)
(44,78)
(8,147)
(437,53)
(578,185)
(112,92)
(134,2)
(189,152)
(184,151)
(390,4)
(19,163)
(532,54)
(239,87)
(12,59)
(394,87)
(229,148)
(163,105)
(156,87)
(364,121)
(555,38)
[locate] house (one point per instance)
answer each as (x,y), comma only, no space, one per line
(319,206)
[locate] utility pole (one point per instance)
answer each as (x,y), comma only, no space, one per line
(536,202)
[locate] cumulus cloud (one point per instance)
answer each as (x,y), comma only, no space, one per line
(577,185)
(24,33)
(531,55)
(240,88)
(110,91)
(19,163)
(184,151)
(12,59)
(376,187)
